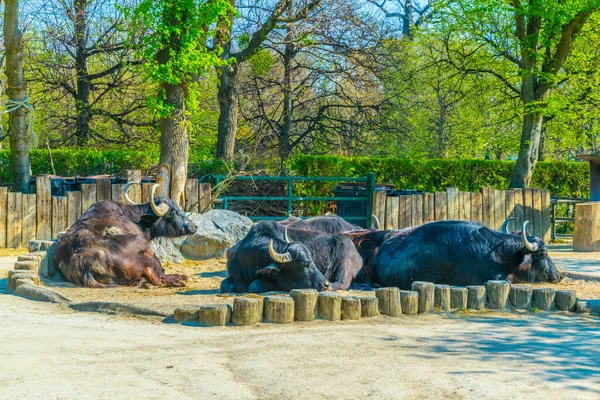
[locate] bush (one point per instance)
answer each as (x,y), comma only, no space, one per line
(561,178)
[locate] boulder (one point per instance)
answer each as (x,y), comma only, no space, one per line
(217,231)
(167,249)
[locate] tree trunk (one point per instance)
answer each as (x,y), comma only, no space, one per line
(82,100)
(542,151)
(285,146)
(528,153)
(17,122)
(228,116)
(407,19)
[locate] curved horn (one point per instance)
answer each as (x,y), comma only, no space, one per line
(162,208)
(504,228)
(125,190)
(374,222)
(532,247)
(285,235)
(277,257)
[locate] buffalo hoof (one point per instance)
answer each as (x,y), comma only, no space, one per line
(227,286)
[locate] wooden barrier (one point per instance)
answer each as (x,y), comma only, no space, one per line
(489,207)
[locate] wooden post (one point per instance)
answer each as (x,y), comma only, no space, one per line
(404,212)
(520,296)
(565,300)
(305,304)
(464,212)
(279,309)
(476,207)
(214,315)
(118,193)
(350,308)
(488,207)
(528,208)
(59,215)
(497,294)
(453,202)
(538,223)
(426,295)
(43,193)
(146,191)
(103,190)
(135,192)
(510,203)
(379,198)
(88,196)
(476,297)
(13,220)
(3,215)
(185,314)
(458,297)
(519,212)
(391,212)
(441,206)
(369,307)
(587,227)
(410,302)
(543,298)
(204,197)
(389,301)
(428,207)
(546,219)
(247,310)
(29,219)
(73,207)
(191,195)
(442,297)
(417,209)
(329,305)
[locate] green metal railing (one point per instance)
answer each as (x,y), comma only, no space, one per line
(368,180)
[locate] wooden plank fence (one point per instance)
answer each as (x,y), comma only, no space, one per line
(489,207)
(40,215)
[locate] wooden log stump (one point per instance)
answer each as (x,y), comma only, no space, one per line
(520,296)
(389,301)
(586,236)
(565,300)
(442,297)
(31,257)
(20,282)
(409,301)
(476,297)
(305,304)
(458,297)
(351,308)
(214,315)
(543,298)
(369,307)
(426,295)
(247,310)
(184,314)
(279,309)
(14,275)
(329,306)
(27,266)
(497,294)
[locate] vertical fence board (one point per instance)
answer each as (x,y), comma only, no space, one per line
(3,215)
(441,206)
(417,210)
(403,220)
(538,222)
(464,206)
(547,223)
(453,202)
(428,207)
(103,189)
(88,196)
(118,193)
(59,215)
(391,212)
(379,199)
(519,212)
(13,219)
(191,195)
(146,191)
(43,193)
(488,213)
(204,197)
(510,204)
(29,219)
(477,207)
(73,207)
(528,208)
(499,208)
(135,191)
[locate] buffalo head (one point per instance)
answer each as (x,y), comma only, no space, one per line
(293,267)
(536,265)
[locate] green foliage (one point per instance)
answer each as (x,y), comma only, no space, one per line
(561,178)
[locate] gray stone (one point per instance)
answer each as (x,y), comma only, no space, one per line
(588,306)
(217,231)
(41,293)
(48,269)
(167,249)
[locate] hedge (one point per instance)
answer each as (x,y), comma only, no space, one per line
(69,162)
(561,178)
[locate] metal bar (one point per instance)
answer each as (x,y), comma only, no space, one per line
(370,190)
(553,221)
(258,218)
(298,178)
(285,198)
(290,184)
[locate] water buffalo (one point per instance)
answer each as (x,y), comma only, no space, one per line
(274,257)
(461,253)
(326,224)
(108,245)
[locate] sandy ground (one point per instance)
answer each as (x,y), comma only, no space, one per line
(96,356)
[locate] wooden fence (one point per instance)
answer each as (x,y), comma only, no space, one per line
(489,207)
(24,217)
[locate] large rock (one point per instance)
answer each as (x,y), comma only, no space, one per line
(217,231)
(167,249)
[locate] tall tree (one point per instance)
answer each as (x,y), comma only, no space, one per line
(177,58)
(19,129)
(408,14)
(228,73)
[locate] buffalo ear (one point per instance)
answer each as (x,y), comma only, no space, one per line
(147,220)
(526,263)
(271,272)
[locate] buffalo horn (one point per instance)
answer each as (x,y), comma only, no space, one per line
(532,247)
(160,209)
(125,190)
(285,235)
(505,224)
(280,258)
(374,222)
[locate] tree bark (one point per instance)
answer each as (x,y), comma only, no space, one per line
(228,113)
(285,146)
(407,19)
(17,122)
(528,152)
(82,100)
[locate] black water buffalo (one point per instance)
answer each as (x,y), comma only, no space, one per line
(461,253)
(326,224)
(108,245)
(274,257)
